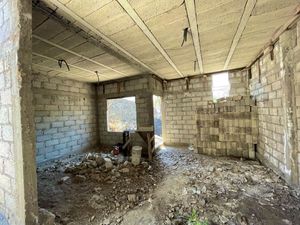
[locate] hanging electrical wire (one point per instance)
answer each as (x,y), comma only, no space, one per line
(98,77)
(185,33)
(60,63)
(195,65)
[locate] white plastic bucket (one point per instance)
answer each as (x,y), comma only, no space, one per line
(136,154)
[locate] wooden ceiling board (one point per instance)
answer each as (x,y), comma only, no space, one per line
(168,28)
(217,27)
(217,21)
(173,22)
(49,29)
(139,45)
(131,37)
(159,63)
(121,31)
(109,60)
(89,50)
(152,9)
(258,32)
(271,20)
(265,6)
(44,48)
(39,18)
(211,38)
(110,19)
(93,67)
(224,14)
(61,36)
(72,42)
(203,6)
(59,11)
(85,8)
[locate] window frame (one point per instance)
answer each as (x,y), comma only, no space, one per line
(120,97)
(213,88)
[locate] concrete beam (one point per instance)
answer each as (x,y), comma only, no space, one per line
(191,12)
(241,27)
(136,18)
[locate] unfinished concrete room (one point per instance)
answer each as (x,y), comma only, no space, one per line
(150,112)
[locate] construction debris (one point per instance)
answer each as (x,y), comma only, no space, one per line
(180,187)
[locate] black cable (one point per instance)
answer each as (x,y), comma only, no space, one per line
(98,77)
(61,61)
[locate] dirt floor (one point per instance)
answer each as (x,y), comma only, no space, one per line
(179,187)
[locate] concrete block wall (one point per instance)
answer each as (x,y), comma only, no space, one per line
(266,87)
(8,191)
(18,199)
(65,116)
(228,127)
(181,103)
(275,86)
(143,88)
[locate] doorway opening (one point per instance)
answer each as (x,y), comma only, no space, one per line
(157,115)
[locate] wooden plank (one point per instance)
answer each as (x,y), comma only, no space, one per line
(126,144)
(191,12)
(152,139)
(241,27)
(145,129)
(144,28)
(97,32)
(149,147)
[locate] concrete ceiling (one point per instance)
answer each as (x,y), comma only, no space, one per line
(120,38)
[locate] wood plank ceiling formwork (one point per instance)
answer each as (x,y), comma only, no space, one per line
(168,38)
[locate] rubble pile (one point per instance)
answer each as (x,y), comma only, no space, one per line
(103,189)
(224,190)
(108,183)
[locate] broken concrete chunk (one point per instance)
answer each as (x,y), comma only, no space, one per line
(46,217)
(79,179)
(124,170)
(96,201)
(145,164)
(108,163)
(126,163)
(92,163)
(106,222)
(63,180)
(99,160)
(98,190)
(70,169)
(203,190)
(131,197)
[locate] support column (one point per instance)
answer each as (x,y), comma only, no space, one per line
(18,186)
(287,43)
